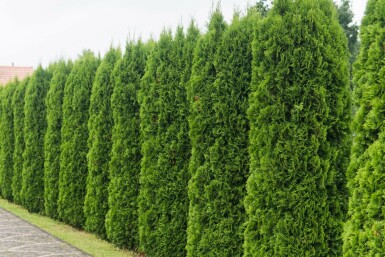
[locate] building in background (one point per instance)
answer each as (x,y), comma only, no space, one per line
(8,73)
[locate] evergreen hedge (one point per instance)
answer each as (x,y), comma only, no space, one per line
(74,136)
(152,151)
(123,190)
(99,142)
(363,234)
(299,139)
(19,144)
(200,92)
(54,102)
(35,125)
(7,138)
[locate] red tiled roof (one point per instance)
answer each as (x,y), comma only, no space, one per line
(7,73)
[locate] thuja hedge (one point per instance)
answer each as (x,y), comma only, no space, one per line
(19,144)
(123,190)
(299,117)
(52,141)
(99,142)
(74,136)
(363,234)
(162,136)
(35,125)
(7,140)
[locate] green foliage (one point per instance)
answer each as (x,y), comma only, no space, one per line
(7,139)
(19,144)
(122,217)
(219,132)
(35,125)
(345,16)
(74,136)
(100,143)
(201,119)
(299,136)
(163,201)
(363,234)
(263,7)
(54,102)
(1,113)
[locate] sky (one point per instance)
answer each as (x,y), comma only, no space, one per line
(43,31)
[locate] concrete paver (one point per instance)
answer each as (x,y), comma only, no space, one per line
(18,238)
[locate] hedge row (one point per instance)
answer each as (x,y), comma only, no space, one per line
(230,143)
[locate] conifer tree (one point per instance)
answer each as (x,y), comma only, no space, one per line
(123,190)
(299,139)
(223,183)
(163,204)
(74,136)
(345,17)
(7,140)
(200,91)
(54,102)
(363,232)
(19,144)
(35,125)
(99,142)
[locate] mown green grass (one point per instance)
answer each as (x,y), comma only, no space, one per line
(84,241)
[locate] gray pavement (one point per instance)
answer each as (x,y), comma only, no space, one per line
(18,238)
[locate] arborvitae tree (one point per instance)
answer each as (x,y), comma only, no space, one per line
(74,136)
(7,140)
(364,230)
(123,191)
(18,129)
(299,139)
(35,125)
(163,201)
(54,102)
(217,187)
(99,142)
(200,92)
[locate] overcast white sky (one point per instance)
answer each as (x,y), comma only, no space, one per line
(41,31)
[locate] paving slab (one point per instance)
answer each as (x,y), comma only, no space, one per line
(19,238)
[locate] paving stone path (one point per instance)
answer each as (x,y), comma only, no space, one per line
(18,238)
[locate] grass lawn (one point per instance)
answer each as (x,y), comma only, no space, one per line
(84,241)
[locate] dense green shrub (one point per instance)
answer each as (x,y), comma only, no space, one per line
(200,92)
(163,201)
(35,125)
(74,136)
(99,142)
(364,230)
(217,187)
(7,139)
(54,102)
(299,138)
(19,145)
(122,217)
